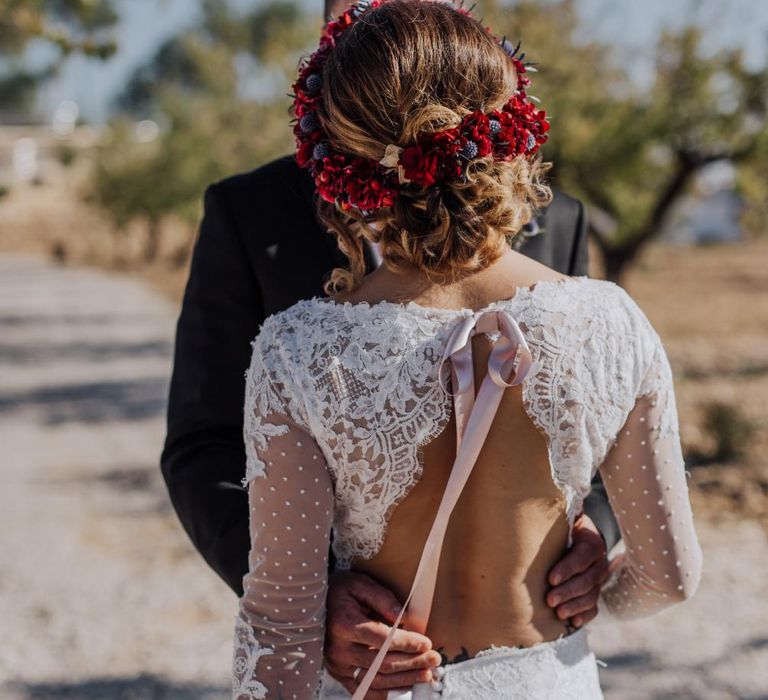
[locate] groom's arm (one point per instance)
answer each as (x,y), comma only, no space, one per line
(204,455)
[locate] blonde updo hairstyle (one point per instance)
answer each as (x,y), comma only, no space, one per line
(405,68)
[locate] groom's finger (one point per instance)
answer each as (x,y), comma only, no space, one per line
(373,634)
(394,662)
(343,649)
(351,686)
(580,605)
(579,585)
(404,680)
(588,548)
(371,594)
(382,681)
(583,618)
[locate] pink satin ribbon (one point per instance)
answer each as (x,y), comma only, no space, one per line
(508,364)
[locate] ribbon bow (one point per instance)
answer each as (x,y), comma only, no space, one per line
(510,357)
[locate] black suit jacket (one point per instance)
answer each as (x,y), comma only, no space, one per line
(260,250)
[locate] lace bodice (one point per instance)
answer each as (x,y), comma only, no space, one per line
(340,398)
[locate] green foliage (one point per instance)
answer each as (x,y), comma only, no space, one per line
(66,154)
(201,143)
(632,154)
(69,25)
(730,430)
(193,88)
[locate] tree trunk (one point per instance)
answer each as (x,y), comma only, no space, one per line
(153,240)
(603,225)
(616,261)
(616,258)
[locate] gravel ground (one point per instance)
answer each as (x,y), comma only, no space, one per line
(101,594)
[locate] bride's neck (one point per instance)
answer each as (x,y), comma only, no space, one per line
(499,280)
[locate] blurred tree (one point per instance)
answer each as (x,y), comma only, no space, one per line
(731,431)
(196,87)
(632,154)
(218,93)
(69,25)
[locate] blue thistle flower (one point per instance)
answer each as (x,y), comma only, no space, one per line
(469,151)
(509,49)
(321,150)
(531,143)
(494,126)
(308,123)
(314,82)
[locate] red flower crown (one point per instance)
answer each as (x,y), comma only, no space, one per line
(519,128)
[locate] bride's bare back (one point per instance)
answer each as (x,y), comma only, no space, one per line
(509,527)
(506,532)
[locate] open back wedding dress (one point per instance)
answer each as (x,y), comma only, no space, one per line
(340,400)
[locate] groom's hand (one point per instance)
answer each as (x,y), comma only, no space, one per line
(360,613)
(577,578)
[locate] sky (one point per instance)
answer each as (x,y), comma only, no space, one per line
(632,26)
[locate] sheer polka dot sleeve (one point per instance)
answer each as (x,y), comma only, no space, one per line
(644,475)
(279,628)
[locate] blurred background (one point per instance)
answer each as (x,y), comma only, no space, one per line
(114,117)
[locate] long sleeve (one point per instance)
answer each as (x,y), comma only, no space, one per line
(203,458)
(280,624)
(644,475)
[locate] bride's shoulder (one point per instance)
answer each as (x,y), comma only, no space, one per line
(599,294)
(581,294)
(284,324)
(299,328)
(621,317)
(285,338)
(601,304)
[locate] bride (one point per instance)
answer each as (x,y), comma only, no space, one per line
(443,416)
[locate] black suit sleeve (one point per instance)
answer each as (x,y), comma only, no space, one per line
(203,459)
(580,252)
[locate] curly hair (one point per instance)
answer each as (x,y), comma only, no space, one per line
(405,68)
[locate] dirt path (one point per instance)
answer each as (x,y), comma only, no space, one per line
(102,596)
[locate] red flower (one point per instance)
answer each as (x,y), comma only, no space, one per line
(418,167)
(368,186)
(304,154)
(447,142)
(484,146)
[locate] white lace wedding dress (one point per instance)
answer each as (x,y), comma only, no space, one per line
(339,399)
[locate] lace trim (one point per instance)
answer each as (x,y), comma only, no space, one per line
(261,400)
(542,647)
(245,658)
